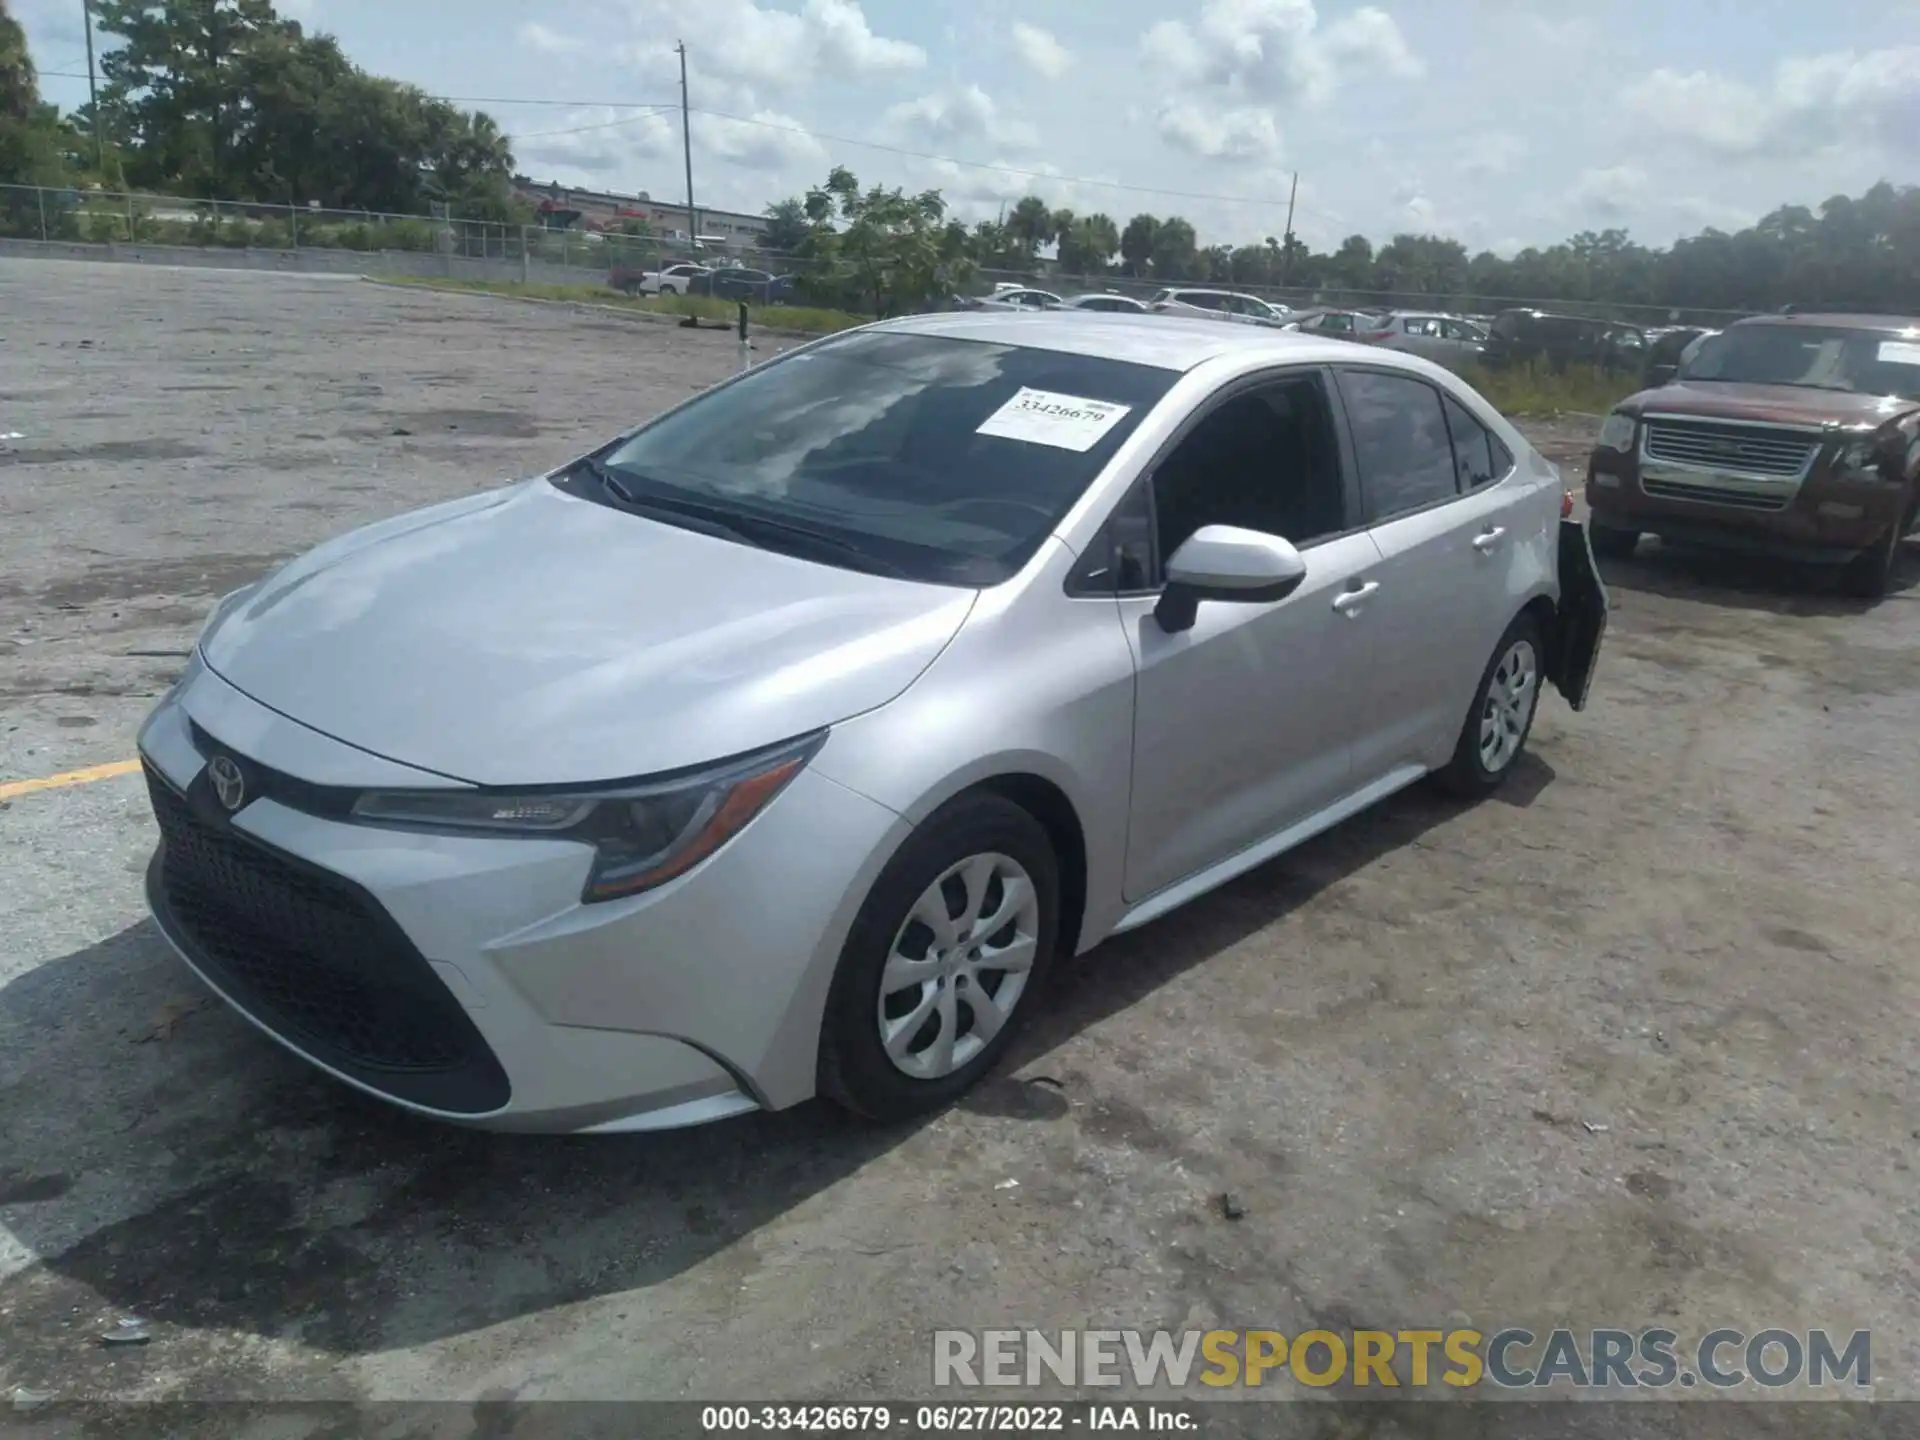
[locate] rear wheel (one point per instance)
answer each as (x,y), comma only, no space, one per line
(942,962)
(1612,544)
(1497,726)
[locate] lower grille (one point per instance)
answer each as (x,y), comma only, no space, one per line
(314,958)
(1712,495)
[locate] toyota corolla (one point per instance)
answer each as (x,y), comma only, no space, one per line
(779,746)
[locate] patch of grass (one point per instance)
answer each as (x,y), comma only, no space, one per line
(1536,389)
(783,317)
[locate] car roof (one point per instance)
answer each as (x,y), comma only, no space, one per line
(1835,320)
(1165,341)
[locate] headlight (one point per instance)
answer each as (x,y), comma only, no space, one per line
(1861,459)
(1616,431)
(642,835)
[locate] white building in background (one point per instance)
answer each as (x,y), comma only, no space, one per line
(601,210)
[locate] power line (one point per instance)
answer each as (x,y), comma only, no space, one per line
(583,129)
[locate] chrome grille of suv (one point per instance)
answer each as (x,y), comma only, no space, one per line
(1740,449)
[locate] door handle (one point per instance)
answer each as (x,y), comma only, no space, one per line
(1348,602)
(1489,539)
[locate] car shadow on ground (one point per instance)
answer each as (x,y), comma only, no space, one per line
(166,1160)
(1748,582)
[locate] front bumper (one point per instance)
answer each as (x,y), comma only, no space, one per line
(1829,518)
(461,977)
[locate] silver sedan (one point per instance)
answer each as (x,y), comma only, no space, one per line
(782,744)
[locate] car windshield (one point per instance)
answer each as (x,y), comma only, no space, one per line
(936,459)
(1814,357)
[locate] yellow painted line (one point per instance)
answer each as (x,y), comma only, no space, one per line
(11,788)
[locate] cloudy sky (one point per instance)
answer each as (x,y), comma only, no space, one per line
(1500,122)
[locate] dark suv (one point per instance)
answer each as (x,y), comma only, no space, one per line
(1519,337)
(1792,435)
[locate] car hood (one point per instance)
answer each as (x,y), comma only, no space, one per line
(531,637)
(1781,404)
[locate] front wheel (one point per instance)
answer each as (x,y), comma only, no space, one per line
(1497,726)
(1869,576)
(942,962)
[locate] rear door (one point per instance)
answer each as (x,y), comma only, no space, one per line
(1440,519)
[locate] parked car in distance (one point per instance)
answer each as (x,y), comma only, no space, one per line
(672,280)
(1446,339)
(1220,305)
(1664,349)
(737,282)
(1016,297)
(1522,336)
(445,810)
(1795,436)
(1109,301)
(1339,324)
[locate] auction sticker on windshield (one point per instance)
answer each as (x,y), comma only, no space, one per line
(1042,417)
(1900,352)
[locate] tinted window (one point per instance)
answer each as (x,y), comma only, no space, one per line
(1478,455)
(1507,326)
(1199,299)
(1400,442)
(1870,362)
(1264,459)
(873,440)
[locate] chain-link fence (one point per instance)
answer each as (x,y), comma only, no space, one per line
(452,246)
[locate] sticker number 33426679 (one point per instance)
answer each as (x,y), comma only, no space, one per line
(1043,417)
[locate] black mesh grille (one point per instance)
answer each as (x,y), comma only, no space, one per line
(315,958)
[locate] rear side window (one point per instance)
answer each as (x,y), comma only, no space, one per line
(1400,442)
(1478,456)
(1199,299)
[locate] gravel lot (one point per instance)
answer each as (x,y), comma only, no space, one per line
(1630,1044)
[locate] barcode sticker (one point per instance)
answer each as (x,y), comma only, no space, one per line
(1042,417)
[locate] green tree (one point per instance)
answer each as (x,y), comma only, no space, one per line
(1136,244)
(1030,225)
(32,139)
(787,227)
(880,249)
(1088,245)
(1175,250)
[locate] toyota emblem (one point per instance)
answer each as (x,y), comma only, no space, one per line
(229,785)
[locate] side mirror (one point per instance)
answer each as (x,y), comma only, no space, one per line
(1224,562)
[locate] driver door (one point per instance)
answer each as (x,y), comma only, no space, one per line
(1243,723)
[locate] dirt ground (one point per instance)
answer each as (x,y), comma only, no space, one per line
(1631,1044)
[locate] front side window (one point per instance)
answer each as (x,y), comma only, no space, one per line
(872,445)
(1400,442)
(1263,459)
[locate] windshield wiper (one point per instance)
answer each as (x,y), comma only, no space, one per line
(609,480)
(752,529)
(702,519)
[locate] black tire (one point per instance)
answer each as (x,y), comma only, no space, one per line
(855,1071)
(1611,544)
(1869,576)
(1468,775)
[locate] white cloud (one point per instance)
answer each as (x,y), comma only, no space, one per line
(1809,105)
(1491,153)
(768,141)
(1246,133)
(1040,51)
(542,41)
(755,49)
(958,115)
(1610,193)
(1276,50)
(595,147)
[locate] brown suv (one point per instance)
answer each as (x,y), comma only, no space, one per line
(1791,435)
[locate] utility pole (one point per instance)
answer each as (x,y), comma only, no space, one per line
(93,95)
(1286,247)
(686,143)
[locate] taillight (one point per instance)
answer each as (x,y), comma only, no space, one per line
(1377,334)
(1566,504)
